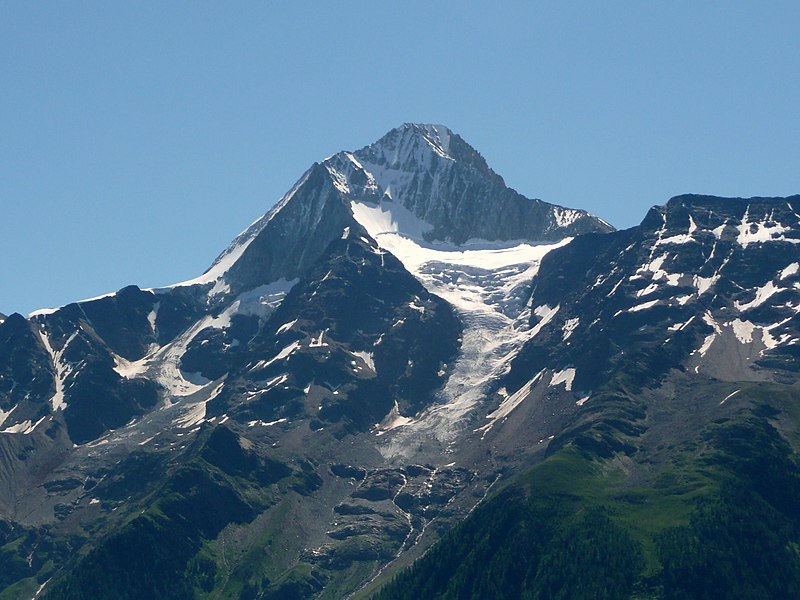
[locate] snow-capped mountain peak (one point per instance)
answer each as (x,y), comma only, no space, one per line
(423,181)
(410,141)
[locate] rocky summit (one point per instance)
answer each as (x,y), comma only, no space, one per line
(407,380)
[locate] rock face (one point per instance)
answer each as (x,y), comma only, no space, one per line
(446,184)
(704,282)
(436,186)
(361,366)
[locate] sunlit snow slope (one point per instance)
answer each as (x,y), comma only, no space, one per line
(488,284)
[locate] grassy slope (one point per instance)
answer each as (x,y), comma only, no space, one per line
(684,497)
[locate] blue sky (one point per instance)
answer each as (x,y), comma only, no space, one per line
(137,139)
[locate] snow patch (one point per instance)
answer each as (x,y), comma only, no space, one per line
(317,342)
(567,376)
(25,428)
(43,312)
(760,232)
(743,330)
(286,327)
(643,306)
(62,368)
(565,216)
(152,315)
(4,415)
(729,396)
(569,327)
(260,423)
(131,369)
(389,217)
(647,291)
(393,420)
(763,294)
(509,404)
(790,270)
(368,359)
(283,354)
(703,284)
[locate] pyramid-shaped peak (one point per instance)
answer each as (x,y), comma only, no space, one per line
(412,145)
(436,135)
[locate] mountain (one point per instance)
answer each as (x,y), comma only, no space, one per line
(679,341)
(405,357)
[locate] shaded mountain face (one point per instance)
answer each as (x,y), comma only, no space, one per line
(706,283)
(398,338)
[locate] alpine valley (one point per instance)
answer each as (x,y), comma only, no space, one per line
(408,381)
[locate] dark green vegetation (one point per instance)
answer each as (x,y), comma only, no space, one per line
(163,552)
(717,516)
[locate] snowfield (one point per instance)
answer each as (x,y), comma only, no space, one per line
(488,284)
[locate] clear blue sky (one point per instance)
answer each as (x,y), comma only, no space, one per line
(137,139)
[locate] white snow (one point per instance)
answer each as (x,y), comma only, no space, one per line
(729,396)
(62,368)
(413,305)
(368,359)
(509,404)
(317,342)
(196,413)
(260,302)
(100,297)
(4,415)
(743,330)
(547,314)
(194,416)
(43,312)
(682,238)
(709,338)
(567,376)
(152,315)
(286,327)
(647,291)
(790,270)
(388,217)
(260,423)
(487,283)
(565,216)
(393,420)
(166,362)
(130,369)
(703,284)
(569,327)
(717,231)
(760,232)
(39,590)
(680,326)
(654,266)
(706,344)
(643,306)
(26,427)
(284,353)
(763,294)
